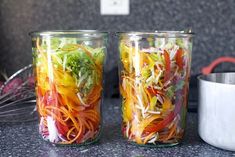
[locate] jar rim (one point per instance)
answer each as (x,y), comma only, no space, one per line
(82,33)
(173,34)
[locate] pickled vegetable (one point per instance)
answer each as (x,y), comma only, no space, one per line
(154,81)
(68,88)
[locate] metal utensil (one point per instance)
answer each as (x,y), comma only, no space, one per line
(216,111)
(17,97)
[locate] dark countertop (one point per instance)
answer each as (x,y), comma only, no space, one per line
(22,139)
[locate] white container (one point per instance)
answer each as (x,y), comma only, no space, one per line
(217,109)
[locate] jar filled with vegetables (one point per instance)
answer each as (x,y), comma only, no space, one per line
(69,75)
(154,75)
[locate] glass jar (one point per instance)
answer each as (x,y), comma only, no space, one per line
(154,75)
(69,76)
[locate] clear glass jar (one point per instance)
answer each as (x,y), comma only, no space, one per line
(69,76)
(154,75)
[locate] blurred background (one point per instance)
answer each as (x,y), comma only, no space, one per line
(212,20)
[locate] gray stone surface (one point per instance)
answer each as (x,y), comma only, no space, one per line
(24,140)
(212,21)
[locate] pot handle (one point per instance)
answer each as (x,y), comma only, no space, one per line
(208,69)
